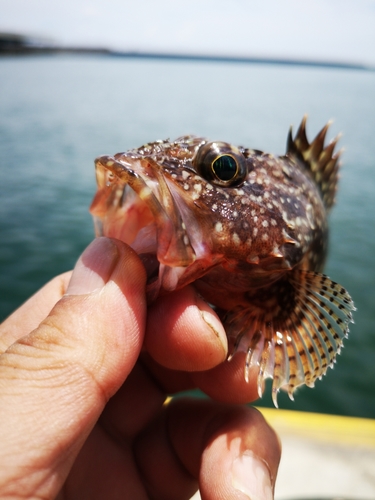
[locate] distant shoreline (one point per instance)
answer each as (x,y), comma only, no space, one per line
(242,60)
(18,45)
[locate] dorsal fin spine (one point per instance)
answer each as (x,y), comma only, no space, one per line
(319,159)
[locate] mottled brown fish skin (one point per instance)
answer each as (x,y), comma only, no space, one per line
(250,230)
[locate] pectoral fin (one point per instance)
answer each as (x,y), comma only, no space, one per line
(295,334)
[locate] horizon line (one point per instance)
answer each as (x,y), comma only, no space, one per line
(13,44)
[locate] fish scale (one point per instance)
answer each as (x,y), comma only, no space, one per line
(250,230)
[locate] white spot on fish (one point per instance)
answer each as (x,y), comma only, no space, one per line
(236,239)
(218,227)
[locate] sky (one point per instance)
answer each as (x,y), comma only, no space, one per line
(330,30)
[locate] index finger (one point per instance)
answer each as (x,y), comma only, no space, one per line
(187,348)
(184,333)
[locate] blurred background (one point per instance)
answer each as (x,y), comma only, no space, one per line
(59,109)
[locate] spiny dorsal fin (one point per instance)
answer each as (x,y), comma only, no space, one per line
(319,159)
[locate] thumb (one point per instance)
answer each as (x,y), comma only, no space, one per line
(55,382)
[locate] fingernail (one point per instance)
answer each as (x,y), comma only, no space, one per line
(251,476)
(214,323)
(94,268)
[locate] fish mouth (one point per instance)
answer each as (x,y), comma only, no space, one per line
(136,204)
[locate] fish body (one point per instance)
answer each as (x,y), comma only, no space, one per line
(250,230)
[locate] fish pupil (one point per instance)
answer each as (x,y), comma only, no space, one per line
(225,167)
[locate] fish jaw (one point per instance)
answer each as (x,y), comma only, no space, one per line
(134,203)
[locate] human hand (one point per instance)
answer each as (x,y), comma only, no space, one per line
(82,411)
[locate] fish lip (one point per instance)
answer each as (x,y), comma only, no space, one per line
(135,204)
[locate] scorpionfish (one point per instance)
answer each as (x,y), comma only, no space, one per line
(250,230)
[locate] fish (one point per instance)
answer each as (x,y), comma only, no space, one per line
(250,230)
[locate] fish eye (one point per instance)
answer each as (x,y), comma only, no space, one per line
(225,167)
(221,163)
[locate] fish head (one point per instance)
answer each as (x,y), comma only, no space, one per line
(190,205)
